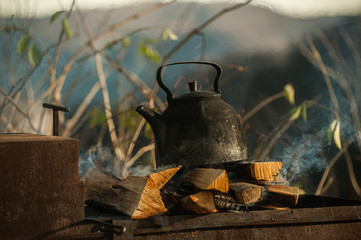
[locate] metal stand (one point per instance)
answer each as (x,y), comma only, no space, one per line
(55,109)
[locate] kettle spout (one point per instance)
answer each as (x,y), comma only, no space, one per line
(157,124)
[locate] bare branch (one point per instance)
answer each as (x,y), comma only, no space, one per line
(202,26)
(68,66)
(282,130)
(194,32)
(344,83)
(328,168)
(318,58)
(138,83)
(261,105)
(351,172)
(80,110)
(52,69)
(19,109)
(139,154)
(138,129)
(107,107)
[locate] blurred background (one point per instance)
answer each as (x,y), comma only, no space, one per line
(100,59)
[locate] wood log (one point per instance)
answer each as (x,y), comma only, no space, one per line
(246,193)
(282,194)
(208,179)
(202,202)
(162,177)
(135,196)
(259,171)
(279,180)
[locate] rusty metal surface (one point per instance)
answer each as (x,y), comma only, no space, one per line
(318,217)
(315,218)
(128,233)
(306,231)
(101,228)
(259,218)
(40,190)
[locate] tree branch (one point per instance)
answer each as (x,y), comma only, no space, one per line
(261,105)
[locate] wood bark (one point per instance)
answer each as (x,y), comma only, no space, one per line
(136,196)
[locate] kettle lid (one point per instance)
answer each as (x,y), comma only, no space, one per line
(194,94)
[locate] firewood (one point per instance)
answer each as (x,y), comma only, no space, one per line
(224,201)
(202,202)
(208,179)
(135,196)
(282,194)
(246,193)
(259,171)
(278,180)
(162,177)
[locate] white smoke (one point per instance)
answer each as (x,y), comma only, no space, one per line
(302,157)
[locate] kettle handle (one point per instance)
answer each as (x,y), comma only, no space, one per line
(169,93)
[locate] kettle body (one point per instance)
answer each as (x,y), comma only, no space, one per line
(198,129)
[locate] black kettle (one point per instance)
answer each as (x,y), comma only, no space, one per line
(198,129)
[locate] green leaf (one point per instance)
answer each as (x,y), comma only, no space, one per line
(109,45)
(34,55)
(67,28)
(295,113)
(148,132)
(97,117)
(334,131)
(330,131)
(289,93)
(23,43)
(167,33)
(55,16)
(126,42)
(129,120)
(337,136)
(153,55)
(149,52)
(304,112)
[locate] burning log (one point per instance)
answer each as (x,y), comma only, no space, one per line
(136,196)
(202,202)
(246,193)
(208,179)
(259,171)
(282,194)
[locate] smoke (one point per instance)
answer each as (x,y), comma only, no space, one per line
(303,157)
(98,156)
(103,157)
